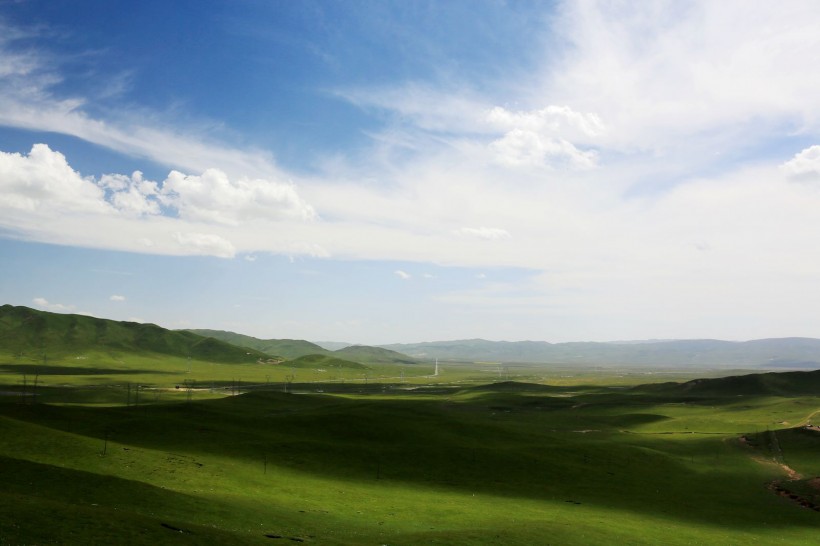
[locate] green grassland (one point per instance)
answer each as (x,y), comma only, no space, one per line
(462,458)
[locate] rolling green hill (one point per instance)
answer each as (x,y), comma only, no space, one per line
(286,348)
(324,361)
(296,348)
(758,384)
(350,463)
(373,355)
(32,334)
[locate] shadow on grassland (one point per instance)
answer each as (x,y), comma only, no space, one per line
(43,371)
(41,503)
(424,443)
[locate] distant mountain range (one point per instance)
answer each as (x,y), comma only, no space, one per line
(30,333)
(780,353)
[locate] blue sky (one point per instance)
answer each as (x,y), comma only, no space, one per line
(379,172)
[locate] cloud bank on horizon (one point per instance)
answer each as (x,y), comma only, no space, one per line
(653,164)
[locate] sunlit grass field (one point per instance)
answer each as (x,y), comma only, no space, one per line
(480,454)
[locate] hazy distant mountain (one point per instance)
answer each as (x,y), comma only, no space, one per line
(794,353)
(32,333)
(333,345)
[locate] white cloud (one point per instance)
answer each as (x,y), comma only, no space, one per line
(206,244)
(43,181)
(402,274)
(213,197)
(54,307)
(552,120)
(132,194)
(805,165)
(520,147)
(658,72)
(489,234)
(43,198)
(117,297)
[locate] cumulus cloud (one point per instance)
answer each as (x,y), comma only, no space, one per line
(520,147)
(551,120)
(40,192)
(214,197)
(44,181)
(805,165)
(132,194)
(117,297)
(545,137)
(488,234)
(402,274)
(55,307)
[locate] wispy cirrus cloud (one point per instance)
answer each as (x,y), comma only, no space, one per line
(29,100)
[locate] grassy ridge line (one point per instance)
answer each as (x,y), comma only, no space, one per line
(33,334)
(293,349)
(286,348)
(770,383)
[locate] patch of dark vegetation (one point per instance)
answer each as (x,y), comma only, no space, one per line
(293,539)
(516,386)
(72,370)
(787,493)
(172,528)
(759,384)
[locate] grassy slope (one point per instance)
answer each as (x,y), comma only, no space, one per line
(294,348)
(773,384)
(373,355)
(286,348)
(506,463)
(324,362)
(29,335)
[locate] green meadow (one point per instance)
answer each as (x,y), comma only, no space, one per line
(140,449)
